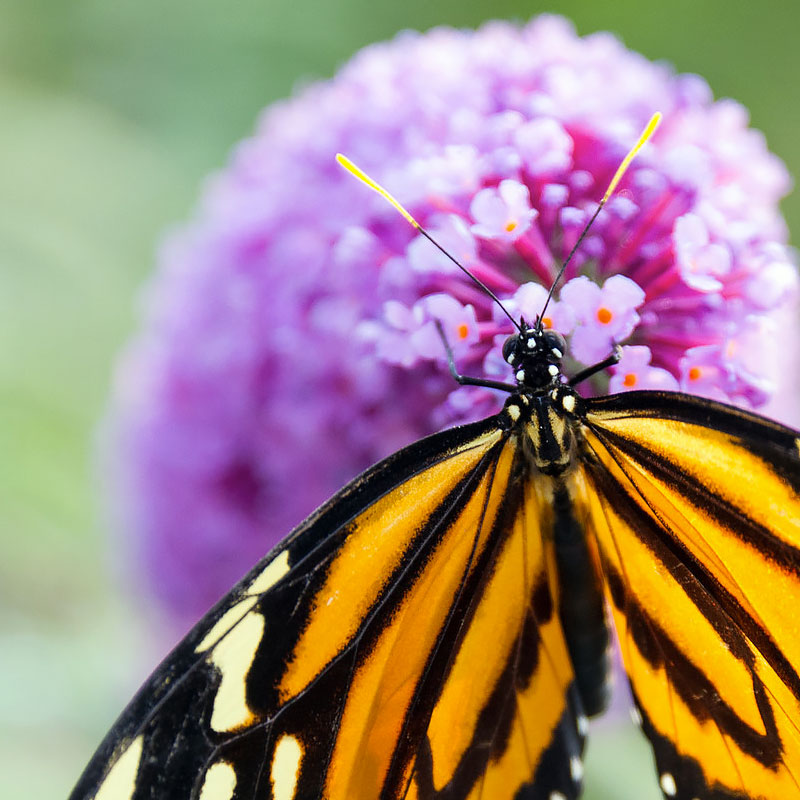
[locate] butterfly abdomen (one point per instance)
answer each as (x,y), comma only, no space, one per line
(549,440)
(581,606)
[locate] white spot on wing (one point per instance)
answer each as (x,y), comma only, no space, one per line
(636,717)
(226,622)
(286,767)
(220,782)
(583,725)
(520,375)
(233,657)
(557,796)
(513,412)
(271,574)
(568,402)
(576,768)
(120,783)
(668,784)
(553,370)
(268,577)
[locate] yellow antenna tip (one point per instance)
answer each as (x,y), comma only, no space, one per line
(649,130)
(345,162)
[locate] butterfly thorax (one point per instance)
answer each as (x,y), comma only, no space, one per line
(547,431)
(543,409)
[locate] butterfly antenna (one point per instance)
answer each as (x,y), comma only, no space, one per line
(362,176)
(646,134)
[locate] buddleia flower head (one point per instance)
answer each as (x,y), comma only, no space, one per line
(289,336)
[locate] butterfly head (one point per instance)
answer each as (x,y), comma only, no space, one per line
(535,354)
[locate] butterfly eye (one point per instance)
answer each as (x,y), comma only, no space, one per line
(509,349)
(555,344)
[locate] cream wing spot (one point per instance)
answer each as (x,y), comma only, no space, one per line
(268,577)
(226,622)
(568,403)
(120,783)
(233,657)
(667,783)
(271,574)
(576,769)
(220,782)
(557,796)
(286,767)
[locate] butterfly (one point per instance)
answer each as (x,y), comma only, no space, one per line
(440,627)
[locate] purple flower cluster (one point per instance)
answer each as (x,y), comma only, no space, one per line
(289,337)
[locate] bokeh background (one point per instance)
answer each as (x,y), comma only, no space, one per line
(111,114)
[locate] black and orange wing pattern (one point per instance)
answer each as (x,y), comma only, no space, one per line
(404,642)
(696,509)
(436,631)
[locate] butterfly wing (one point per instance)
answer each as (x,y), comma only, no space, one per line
(696,508)
(402,642)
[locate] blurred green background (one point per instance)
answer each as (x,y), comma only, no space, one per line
(111,114)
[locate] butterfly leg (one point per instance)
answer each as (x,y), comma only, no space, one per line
(465,380)
(584,374)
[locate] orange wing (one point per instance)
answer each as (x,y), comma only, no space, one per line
(404,642)
(696,509)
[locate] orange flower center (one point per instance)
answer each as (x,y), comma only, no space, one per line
(629,380)
(510,225)
(604,316)
(695,373)
(463,330)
